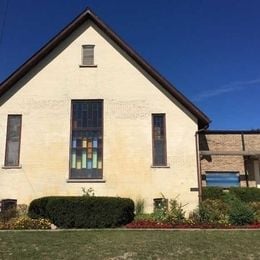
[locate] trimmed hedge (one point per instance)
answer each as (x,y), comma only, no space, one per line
(244,194)
(37,208)
(83,212)
(212,193)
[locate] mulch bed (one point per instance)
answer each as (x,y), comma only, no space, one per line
(158,225)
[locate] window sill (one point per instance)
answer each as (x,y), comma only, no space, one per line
(160,166)
(86,181)
(87,66)
(12,167)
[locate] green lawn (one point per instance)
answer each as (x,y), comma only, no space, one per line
(120,244)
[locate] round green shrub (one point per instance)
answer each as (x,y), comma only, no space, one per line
(238,211)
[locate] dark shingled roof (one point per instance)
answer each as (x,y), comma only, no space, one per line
(89,15)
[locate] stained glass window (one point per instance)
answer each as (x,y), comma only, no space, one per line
(87,139)
(159,140)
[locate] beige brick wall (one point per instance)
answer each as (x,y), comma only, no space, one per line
(252,142)
(221,142)
(223,163)
(229,143)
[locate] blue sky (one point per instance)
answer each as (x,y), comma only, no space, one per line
(209,49)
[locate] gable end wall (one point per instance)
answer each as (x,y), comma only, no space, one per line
(130,96)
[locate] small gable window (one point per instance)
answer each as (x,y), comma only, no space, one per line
(88,55)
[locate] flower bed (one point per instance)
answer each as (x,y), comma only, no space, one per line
(148,224)
(228,213)
(157,225)
(255,225)
(25,222)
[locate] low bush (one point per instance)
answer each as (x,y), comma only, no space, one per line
(239,212)
(22,210)
(84,212)
(243,193)
(255,206)
(25,222)
(176,213)
(28,223)
(139,206)
(212,211)
(212,193)
(229,210)
(169,214)
(246,194)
